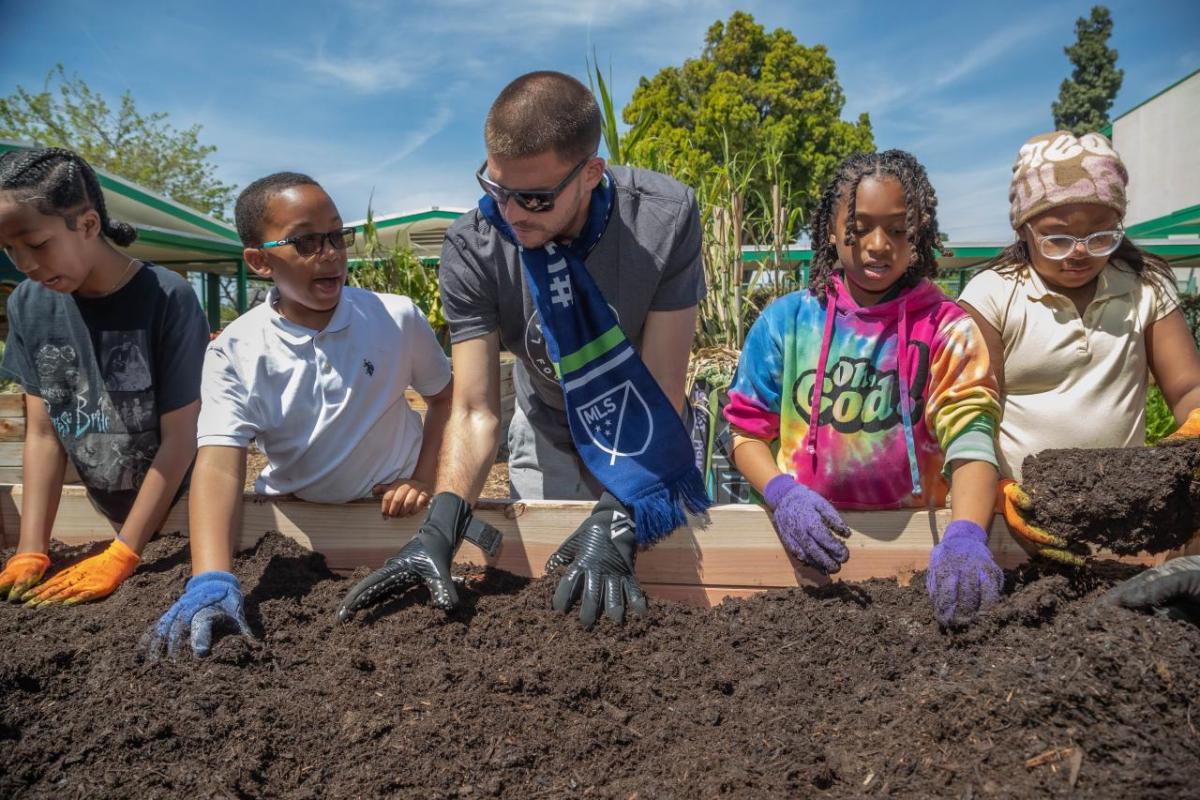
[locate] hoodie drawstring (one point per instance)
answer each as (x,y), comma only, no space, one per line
(905,410)
(814,417)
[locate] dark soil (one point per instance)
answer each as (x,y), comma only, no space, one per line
(1124,500)
(844,691)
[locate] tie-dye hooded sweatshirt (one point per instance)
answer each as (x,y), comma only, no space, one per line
(883,427)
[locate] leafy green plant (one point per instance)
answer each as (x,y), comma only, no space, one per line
(1160,422)
(617,143)
(393,269)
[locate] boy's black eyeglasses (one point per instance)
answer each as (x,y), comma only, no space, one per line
(310,244)
(537,202)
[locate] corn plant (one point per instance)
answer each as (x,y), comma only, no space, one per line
(392,268)
(617,143)
(735,210)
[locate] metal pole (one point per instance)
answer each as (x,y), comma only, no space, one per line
(212,299)
(241,287)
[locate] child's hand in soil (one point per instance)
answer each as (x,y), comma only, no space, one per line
(600,557)
(807,524)
(1172,589)
(964,579)
(405,496)
(208,598)
(21,572)
(425,558)
(1014,503)
(90,579)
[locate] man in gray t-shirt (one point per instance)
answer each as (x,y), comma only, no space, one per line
(542,174)
(647,264)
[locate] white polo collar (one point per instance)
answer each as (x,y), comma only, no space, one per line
(293,333)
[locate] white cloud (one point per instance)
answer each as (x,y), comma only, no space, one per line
(412,141)
(991,49)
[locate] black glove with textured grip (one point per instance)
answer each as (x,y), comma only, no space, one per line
(1171,590)
(426,558)
(600,557)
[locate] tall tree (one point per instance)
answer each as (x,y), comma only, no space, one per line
(749,93)
(1086,97)
(144,148)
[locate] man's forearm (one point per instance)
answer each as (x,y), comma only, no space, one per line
(44,463)
(215,507)
(471,441)
(158,490)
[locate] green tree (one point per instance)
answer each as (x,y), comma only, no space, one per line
(1085,98)
(144,148)
(756,92)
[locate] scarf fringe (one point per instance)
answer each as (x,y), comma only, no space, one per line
(659,512)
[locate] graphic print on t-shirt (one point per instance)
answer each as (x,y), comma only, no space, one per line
(102,406)
(123,361)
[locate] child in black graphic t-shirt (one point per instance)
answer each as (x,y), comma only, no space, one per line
(109,351)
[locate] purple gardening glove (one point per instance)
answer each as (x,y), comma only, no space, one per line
(963,579)
(807,523)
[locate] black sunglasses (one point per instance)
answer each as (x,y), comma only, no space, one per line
(537,202)
(310,244)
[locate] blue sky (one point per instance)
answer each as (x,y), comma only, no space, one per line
(389,97)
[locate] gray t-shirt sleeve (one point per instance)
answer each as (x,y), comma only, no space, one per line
(18,361)
(184,339)
(469,293)
(682,284)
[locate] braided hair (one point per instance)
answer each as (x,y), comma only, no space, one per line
(58,182)
(920,218)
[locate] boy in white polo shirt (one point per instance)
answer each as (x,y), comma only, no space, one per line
(316,376)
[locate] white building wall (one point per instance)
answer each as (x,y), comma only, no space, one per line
(1160,145)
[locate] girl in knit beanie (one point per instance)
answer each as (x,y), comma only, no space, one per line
(1077,318)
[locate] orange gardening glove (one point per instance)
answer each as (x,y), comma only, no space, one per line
(1190,429)
(90,579)
(22,571)
(1012,501)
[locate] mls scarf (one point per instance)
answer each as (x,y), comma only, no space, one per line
(623,426)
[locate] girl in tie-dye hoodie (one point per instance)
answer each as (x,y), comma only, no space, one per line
(889,431)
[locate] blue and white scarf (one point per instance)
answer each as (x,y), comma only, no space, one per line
(625,429)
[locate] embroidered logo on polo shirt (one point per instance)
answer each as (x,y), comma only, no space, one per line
(368,367)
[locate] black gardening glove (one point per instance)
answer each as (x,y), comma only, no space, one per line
(601,553)
(1172,590)
(425,558)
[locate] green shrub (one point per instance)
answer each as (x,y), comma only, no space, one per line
(1160,421)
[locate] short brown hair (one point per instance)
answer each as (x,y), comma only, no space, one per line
(541,112)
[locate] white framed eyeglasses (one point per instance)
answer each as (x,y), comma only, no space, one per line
(1058,246)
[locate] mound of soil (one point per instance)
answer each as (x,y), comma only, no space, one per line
(1124,500)
(843,691)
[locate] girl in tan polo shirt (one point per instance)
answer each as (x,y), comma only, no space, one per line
(1076,317)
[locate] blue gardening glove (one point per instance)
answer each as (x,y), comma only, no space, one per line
(208,598)
(963,579)
(1171,590)
(807,524)
(601,554)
